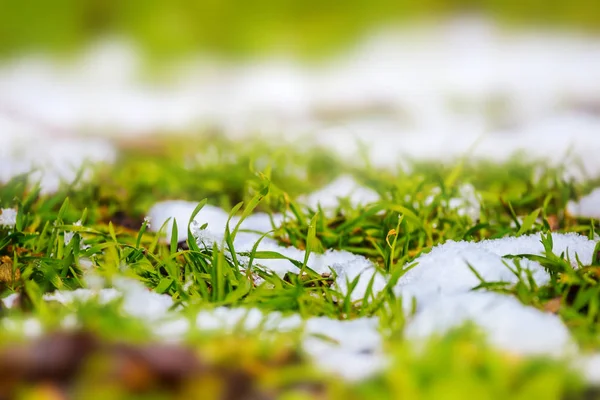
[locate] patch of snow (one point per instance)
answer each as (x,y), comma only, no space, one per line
(11,300)
(507,323)
(68,235)
(347,266)
(171,329)
(51,157)
(66,297)
(589,367)
(586,207)
(466,203)
(30,327)
(357,350)
(8,217)
(229,319)
(441,282)
(352,349)
(434,92)
(445,271)
(344,187)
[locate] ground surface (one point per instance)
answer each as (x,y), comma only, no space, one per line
(409,226)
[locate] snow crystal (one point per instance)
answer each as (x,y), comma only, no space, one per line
(8,217)
(587,207)
(508,324)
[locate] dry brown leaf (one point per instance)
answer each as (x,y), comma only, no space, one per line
(553,305)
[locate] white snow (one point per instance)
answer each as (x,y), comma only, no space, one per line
(357,352)
(8,217)
(466,203)
(589,366)
(351,349)
(11,300)
(444,271)
(586,207)
(435,92)
(347,266)
(344,187)
(508,324)
(52,155)
(441,283)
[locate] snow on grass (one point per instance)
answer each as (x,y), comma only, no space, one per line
(344,187)
(352,349)
(55,157)
(8,217)
(441,283)
(429,92)
(444,271)
(356,351)
(466,203)
(508,324)
(346,265)
(586,207)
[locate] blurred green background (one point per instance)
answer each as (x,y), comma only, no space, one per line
(244,27)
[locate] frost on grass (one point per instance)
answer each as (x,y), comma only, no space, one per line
(586,207)
(441,284)
(8,217)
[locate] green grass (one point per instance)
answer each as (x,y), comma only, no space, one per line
(240,28)
(392,233)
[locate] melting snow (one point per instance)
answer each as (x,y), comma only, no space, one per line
(352,349)
(509,325)
(344,187)
(431,92)
(442,282)
(347,266)
(587,207)
(53,156)
(8,217)
(445,270)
